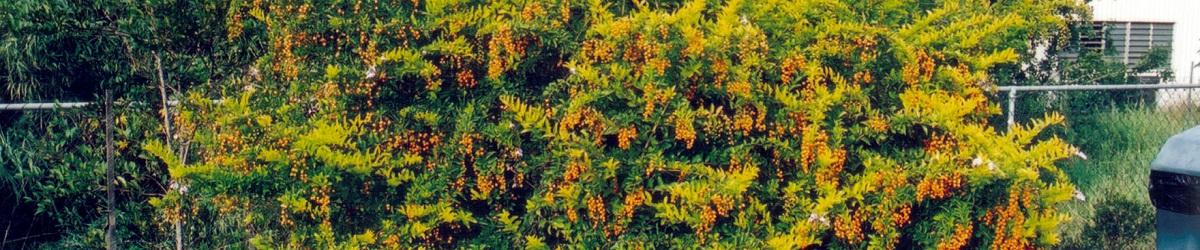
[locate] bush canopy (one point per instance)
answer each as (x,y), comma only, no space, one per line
(597,124)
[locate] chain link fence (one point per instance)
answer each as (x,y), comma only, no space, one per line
(1120,128)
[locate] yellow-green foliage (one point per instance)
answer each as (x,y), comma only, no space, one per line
(745,124)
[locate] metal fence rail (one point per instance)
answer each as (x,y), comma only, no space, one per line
(1012,91)
(70,105)
(47,105)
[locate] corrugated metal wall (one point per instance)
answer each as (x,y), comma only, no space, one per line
(1128,41)
(1133,40)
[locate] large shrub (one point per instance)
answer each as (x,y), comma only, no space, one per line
(786,124)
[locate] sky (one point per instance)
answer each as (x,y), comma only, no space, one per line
(1184,13)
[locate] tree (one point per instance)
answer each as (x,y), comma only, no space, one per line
(67,50)
(1085,66)
(74,51)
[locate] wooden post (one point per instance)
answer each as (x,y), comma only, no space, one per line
(108,180)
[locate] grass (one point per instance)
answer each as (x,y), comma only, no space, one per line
(1120,144)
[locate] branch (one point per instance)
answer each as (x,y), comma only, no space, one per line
(162,92)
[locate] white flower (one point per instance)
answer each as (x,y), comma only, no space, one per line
(814,217)
(176,186)
(979,161)
(371,72)
(1079,195)
(254,73)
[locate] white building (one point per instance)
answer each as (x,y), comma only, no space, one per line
(1184,19)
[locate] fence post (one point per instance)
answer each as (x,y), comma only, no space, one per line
(1012,106)
(108,180)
